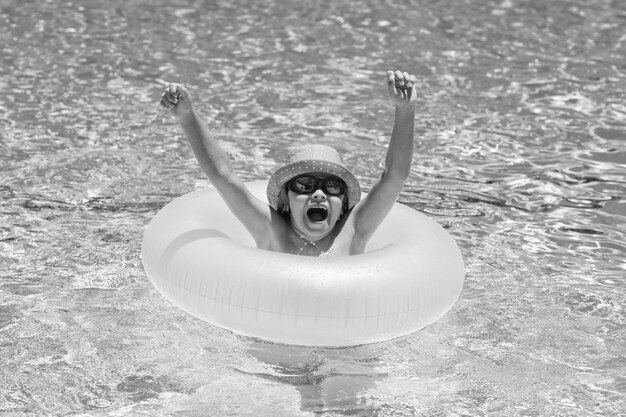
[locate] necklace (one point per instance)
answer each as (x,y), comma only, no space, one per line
(306,243)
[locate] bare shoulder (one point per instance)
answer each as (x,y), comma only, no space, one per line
(369,213)
(348,239)
(276,235)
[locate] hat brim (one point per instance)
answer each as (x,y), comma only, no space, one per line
(286,173)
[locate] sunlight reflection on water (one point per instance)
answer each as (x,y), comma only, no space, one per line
(520,155)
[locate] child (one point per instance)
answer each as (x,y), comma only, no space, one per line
(315,206)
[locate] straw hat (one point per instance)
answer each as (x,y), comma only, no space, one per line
(309,159)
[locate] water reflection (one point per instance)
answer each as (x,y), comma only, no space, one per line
(328,380)
(520,155)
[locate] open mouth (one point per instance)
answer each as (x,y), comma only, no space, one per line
(317,214)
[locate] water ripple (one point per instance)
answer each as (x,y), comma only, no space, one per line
(519,154)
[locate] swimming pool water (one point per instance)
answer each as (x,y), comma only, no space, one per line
(520,154)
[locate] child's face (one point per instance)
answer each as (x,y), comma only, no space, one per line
(315,215)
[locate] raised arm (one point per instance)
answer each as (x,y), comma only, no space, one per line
(252,212)
(371,211)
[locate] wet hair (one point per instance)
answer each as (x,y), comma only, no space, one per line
(283,202)
(282,207)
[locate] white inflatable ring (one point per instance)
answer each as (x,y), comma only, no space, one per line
(200,257)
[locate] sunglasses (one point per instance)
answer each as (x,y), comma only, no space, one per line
(308,184)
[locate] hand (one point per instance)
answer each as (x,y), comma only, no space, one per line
(401,88)
(176,99)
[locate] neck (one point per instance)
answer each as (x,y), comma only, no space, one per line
(307,246)
(309,239)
